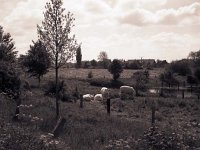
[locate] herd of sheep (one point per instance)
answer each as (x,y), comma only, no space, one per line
(126,92)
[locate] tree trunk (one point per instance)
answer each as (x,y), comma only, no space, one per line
(57,92)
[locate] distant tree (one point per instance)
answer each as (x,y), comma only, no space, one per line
(182,67)
(86,64)
(93,63)
(78,57)
(135,64)
(103,59)
(115,69)
(37,61)
(55,33)
(102,56)
(195,57)
(7,47)
(161,63)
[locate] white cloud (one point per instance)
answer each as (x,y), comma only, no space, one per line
(182,16)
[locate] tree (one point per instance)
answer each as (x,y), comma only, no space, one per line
(78,57)
(181,67)
(197,73)
(7,47)
(93,63)
(10,84)
(115,69)
(102,56)
(141,79)
(37,61)
(55,33)
(195,57)
(103,59)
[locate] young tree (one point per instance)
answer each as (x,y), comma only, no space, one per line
(115,69)
(55,34)
(78,57)
(7,47)
(37,61)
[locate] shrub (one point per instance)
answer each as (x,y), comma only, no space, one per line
(90,74)
(155,139)
(9,80)
(140,78)
(115,69)
(17,138)
(51,87)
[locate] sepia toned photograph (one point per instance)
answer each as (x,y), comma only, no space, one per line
(99,74)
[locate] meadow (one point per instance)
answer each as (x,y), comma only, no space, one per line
(177,120)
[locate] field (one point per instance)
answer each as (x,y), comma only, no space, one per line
(177,120)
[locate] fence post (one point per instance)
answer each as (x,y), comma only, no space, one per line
(108,106)
(81,101)
(183,94)
(153,111)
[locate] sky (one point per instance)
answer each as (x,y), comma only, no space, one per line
(125,29)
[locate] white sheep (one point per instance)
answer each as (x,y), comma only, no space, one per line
(105,93)
(88,97)
(98,97)
(127,92)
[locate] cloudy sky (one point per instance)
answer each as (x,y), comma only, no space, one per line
(128,29)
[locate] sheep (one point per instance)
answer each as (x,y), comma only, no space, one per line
(98,97)
(105,93)
(88,97)
(127,92)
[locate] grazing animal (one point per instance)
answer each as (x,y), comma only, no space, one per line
(98,97)
(88,97)
(127,92)
(105,93)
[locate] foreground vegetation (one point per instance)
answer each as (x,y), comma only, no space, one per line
(128,127)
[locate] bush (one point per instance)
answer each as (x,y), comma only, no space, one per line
(158,140)
(115,69)
(51,87)
(17,138)
(9,80)
(90,74)
(141,79)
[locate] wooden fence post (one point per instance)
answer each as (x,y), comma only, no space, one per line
(153,111)
(108,106)
(183,94)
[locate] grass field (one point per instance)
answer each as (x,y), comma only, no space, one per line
(88,128)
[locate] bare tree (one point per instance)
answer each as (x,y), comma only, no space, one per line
(55,33)
(102,56)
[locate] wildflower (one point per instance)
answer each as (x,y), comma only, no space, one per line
(56,142)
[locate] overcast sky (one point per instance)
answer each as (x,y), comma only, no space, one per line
(128,29)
